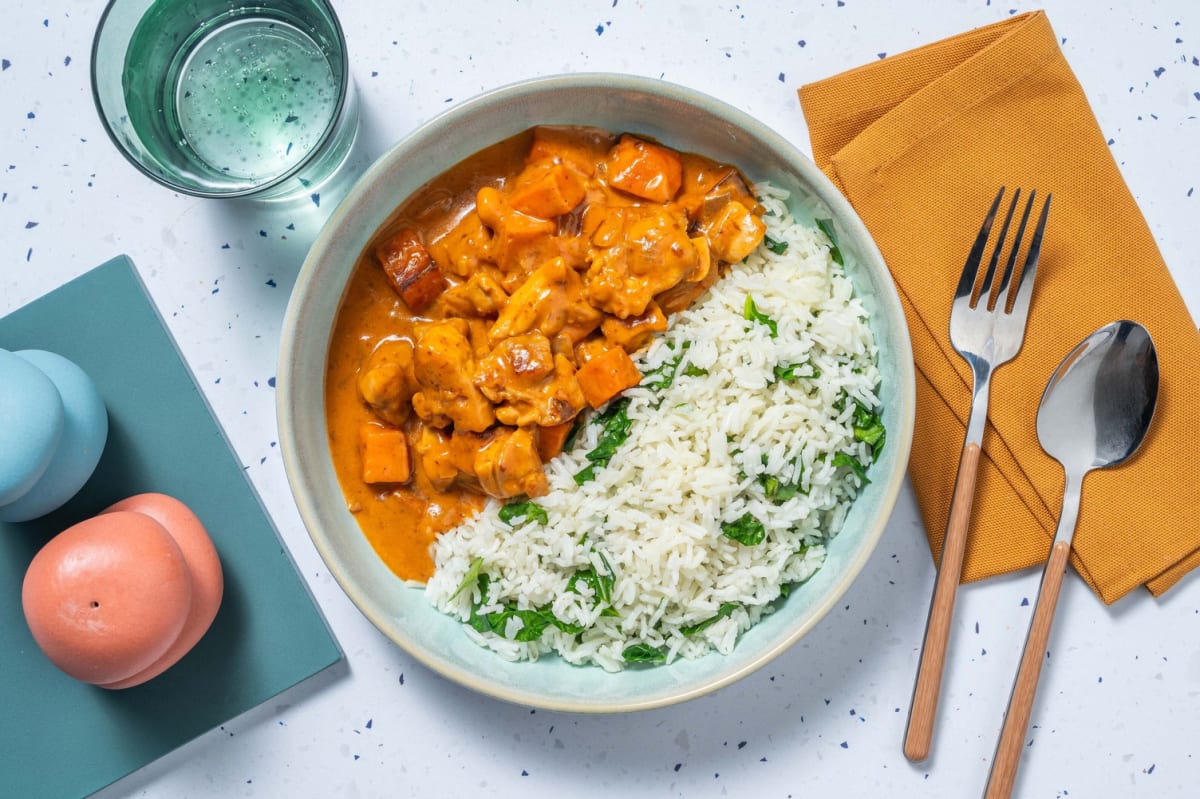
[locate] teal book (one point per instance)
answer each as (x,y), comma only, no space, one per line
(63,738)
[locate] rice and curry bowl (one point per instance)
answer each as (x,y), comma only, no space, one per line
(680,460)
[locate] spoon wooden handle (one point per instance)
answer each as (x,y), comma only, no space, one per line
(1020,704)
(921,716)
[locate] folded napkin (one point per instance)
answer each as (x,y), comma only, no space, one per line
(919,143)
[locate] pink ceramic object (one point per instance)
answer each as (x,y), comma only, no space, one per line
(119,598)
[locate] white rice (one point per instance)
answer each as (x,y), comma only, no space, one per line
(693,461)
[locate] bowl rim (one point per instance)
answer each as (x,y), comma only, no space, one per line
(899,440)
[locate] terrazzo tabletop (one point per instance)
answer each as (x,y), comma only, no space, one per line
(1118,711)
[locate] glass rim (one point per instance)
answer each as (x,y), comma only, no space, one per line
(344,89)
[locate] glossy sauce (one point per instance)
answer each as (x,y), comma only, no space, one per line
(402,520)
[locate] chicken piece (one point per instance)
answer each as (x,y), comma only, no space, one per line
(640,252)
(591,348)
(384,453)
(519,241)
(649,171)
(547,190)
(733,230)
(465,247)
(477,334)
(606,375)
(480,296)
(508,464)
(635,332)
(558,146)
(443,363)
(386,381)
(681,296)
(439,459)
(572,247)
(529,383)
(526,358)
(553,301)
(411,270)
(718,201)
(501,462)
(704,180)
(701,177)
(704,266)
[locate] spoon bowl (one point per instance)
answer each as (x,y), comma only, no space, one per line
(1094,413)
(1099,402)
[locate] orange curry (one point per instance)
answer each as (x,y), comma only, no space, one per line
(503,299)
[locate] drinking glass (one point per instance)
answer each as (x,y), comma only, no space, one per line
(224,98)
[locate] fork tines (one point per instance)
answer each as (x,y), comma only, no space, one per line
(1024,285)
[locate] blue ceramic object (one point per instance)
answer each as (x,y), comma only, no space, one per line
(55,426)
(31,424)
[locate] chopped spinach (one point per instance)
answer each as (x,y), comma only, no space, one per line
(778,491)
(470,578)
(846,459)
(723,611)
(835,252)
(644,653)
(868,428)
(746,530)
(534,620)
(572,434)
(777,247)
(790,371)
(662,376)
(615,424)
(752,314)
(775,489)
(600,583)
(528,510)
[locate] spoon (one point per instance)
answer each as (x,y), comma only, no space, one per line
(1094,413)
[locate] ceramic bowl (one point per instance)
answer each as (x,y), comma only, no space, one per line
(680,118)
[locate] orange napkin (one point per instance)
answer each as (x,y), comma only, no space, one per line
(919,143)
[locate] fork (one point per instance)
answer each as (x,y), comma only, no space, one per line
(986,329)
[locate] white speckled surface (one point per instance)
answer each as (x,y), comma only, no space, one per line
(1118,713)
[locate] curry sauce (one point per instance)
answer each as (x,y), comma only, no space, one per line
(499,303)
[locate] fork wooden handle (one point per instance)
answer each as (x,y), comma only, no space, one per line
(922,715)
(1020,704)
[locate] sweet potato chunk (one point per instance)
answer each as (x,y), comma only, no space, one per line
(607,375)
(384,454)
(411,270)
(643,169)
(552,439)
(559,146)
(547,190)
